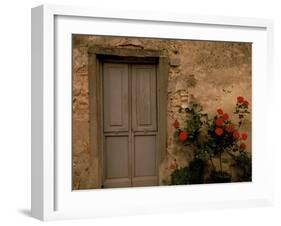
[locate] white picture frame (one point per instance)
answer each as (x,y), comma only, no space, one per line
(52,197)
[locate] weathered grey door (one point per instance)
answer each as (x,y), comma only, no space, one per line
(129,125)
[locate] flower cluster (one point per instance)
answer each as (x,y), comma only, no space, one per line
(241,108)
(242,101)
(221,126)
(224,133)
(224,126)
(188,134)
(182,134)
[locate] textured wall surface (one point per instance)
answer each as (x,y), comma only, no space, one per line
(211,73)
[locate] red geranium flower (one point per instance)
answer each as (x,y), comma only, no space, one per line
(230,128)
(183,135)
(242,146)
(225,116)
(240,99)
(219,131)
(220,111)
(236,134)
(245,103)
(219,122)
(176,124)
(244,136)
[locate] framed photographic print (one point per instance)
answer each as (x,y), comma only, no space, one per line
(138,113)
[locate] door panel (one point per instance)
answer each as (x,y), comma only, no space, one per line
(145,156)
(116,160)
(130,125)
(144,98)
(115,97)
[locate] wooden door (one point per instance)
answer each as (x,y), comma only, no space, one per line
(129,125)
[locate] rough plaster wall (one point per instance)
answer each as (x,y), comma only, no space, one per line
(212,73)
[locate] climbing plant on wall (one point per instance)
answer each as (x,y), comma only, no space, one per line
(212,137)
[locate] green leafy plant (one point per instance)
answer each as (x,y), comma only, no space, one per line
(192,174)
(189,134)
(196,169)
(214,136)
(180,176)
(244,162)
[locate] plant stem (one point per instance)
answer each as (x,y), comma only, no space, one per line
(214,168)
(220,163)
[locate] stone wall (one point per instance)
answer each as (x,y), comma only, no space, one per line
(211,73)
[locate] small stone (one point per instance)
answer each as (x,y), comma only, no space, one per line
(183,93)
(184,98)
(174,62)
(180,85)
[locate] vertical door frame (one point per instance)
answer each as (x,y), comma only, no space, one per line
(97,55)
